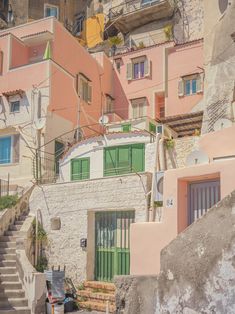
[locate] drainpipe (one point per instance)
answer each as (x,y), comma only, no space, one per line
(162,160)
(155,169)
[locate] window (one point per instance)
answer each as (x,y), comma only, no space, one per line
(146,2)
(108,104)
(190,85)
(1,62)
(50,10)
(78,25)
(84,88)
(126,127)
(80,169)
(124,159)
(118,65)
(138,108)
(14,106)
(5,150)
(138,68)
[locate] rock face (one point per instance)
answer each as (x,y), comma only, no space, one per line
(197,270)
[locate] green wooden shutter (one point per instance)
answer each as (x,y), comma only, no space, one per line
(75,169)
(126,127)
(85,168)
(137,157)
(124,159)
(110,161)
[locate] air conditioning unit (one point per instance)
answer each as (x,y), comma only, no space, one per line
(159,177)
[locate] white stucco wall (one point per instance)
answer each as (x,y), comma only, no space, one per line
(73,202)
(93,148)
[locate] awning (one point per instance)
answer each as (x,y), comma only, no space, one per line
(185,124)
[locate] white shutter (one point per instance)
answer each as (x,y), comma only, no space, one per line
(181,87)
(147,67)
(89,93)
(129,71)
(200,83)
(16,148)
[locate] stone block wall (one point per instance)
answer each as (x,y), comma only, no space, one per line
(197,270)
(176,157)
(72,202)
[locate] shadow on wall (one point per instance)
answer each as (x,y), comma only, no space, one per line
(121,103)
(197,270)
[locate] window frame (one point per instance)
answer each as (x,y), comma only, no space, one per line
(109,107)
(82,79)
(140,103)
(116,170)
(87,177)
(48,5)
(11,150)
(12,103)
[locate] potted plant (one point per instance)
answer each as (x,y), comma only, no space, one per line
(170,143)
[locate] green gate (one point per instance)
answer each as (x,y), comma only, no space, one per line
(112,242)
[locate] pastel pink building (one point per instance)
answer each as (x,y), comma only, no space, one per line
(159,81)
(49,85)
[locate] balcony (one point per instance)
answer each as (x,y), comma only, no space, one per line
(135,13)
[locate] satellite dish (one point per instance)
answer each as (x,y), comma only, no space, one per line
(197,157)
(103,120)
(39,123)
(222,124)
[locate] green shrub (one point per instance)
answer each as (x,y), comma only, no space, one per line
(41,264)
(8,201)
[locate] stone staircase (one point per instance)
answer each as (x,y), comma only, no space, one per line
(97,296)
(12,295)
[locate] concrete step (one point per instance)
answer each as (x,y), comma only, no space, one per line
(9,257)
(95,306)
(7,263)
(13,302)
(10,233)
(12,294)
(14,228)
(7,244)
(5,238)
(16,310)
(95,296)
(10,285)
(8,270)
(101,285)
(7,250)
(9,277)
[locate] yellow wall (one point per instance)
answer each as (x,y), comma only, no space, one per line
(93,30)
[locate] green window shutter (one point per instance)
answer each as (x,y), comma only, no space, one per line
(137,157)
(85,168)
(152,127)
(110,161)
(80,169)
(124,160)
(126,127)
(75,169)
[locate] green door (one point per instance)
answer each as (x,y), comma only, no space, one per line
(112,244)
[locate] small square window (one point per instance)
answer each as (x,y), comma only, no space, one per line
(51,11)
(15,106)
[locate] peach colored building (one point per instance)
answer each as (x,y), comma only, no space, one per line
(159,81)
(49,85)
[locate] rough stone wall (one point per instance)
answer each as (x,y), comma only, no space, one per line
(176,157)
(219,73)
(189,20)
(197,270)
(72,202)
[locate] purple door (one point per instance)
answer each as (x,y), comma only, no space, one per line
(202,196)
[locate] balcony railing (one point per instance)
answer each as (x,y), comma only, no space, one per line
(131,6)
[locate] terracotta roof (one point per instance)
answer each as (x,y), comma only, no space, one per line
(13,92)
(185,124)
